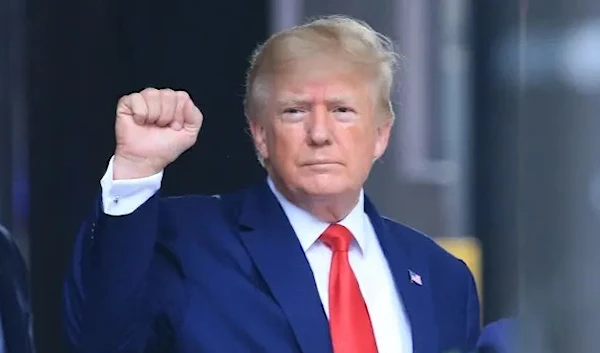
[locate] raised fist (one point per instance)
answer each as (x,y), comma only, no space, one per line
(153,127)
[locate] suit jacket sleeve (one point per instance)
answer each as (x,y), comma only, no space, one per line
(111,299)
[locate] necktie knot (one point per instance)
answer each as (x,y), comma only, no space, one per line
(337,237)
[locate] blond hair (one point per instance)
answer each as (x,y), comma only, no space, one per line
(350,40)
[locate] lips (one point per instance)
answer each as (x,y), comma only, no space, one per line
(318,163)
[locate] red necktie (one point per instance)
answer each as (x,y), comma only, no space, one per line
(349,322)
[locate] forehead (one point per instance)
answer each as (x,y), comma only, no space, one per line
(316,82)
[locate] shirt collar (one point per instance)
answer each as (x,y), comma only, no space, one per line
(308,228)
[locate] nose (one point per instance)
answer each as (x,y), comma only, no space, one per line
(319,127)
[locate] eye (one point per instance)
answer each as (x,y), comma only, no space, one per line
(343,110)
(344,113)
(293,114)
(291,111)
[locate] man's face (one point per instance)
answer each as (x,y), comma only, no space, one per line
(320,130)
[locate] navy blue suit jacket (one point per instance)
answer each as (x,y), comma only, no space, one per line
(228,274)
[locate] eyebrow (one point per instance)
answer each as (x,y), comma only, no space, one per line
(293,101)
(306,101)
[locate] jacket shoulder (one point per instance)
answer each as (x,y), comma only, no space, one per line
(424,246)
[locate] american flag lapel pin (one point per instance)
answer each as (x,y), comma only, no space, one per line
(415,278)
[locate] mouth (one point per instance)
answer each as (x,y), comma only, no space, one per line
(321,164)
(318,163)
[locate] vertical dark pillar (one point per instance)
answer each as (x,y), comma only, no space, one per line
(5,121)
(495,154)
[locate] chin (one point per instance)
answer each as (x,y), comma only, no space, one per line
(324,185)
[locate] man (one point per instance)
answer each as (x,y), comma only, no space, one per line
(300,263)
(15,314)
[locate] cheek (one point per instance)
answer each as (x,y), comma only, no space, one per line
(284,146)
(362,145)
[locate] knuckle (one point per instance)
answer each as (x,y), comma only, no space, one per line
(135,95)
(167,97)
(150,94)
(167,92)
(149,90)
(183,95)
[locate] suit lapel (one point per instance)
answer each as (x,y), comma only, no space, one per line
(278,255)
(415,297)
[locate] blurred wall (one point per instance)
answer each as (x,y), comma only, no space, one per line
(559,177)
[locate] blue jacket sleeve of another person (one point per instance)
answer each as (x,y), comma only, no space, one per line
(497,337)
(15,311)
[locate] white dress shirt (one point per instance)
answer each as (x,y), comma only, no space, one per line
(388,317)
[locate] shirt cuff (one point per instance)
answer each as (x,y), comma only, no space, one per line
(123,197)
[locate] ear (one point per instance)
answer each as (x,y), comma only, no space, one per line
(259,136)
(382,139)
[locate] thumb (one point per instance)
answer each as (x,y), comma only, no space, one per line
(192,117)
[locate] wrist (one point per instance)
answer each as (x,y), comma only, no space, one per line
(125,167)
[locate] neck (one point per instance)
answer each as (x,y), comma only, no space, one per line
(330,209)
